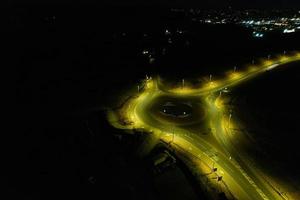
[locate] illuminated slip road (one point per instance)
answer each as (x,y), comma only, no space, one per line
(196,124)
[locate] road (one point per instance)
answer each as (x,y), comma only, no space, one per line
(215,150)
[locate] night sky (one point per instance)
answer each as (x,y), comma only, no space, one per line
(195,3)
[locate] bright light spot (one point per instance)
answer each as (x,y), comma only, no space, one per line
(258,35)
(145,52)
(219,103)
(184,90)
(235,75)
(211,85)
(272,66)
(268,62)
(283,58)
(289,30)
(150,84)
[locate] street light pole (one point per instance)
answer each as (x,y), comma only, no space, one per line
(230,115)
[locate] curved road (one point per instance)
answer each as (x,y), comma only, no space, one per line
(216,149)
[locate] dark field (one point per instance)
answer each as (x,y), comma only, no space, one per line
(269,105)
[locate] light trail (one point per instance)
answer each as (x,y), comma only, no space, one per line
(241,177)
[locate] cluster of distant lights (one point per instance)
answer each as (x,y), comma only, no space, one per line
(286,25)
(259,24)
(258,35)
(149,53)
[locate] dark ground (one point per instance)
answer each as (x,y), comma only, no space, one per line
(269,106)
(73,58)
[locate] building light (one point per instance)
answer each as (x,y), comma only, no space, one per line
(257,35)
(145,52)
(289,30)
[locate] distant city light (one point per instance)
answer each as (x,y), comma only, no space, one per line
(289,30)
(145,52)
(258,35)
(259,21)
(179,31)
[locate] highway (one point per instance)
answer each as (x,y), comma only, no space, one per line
(210,140)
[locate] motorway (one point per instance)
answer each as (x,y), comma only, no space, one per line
(209,140)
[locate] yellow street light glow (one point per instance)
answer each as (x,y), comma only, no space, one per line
(183,90)
(266,63)
(283,58)
(214,149)
(252,68)
(211,85)
(150,84)
(235,75)
(219,103)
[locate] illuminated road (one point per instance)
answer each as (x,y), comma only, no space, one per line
(209,140)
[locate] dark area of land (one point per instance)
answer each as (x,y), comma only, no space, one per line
(269,106)
(72,59)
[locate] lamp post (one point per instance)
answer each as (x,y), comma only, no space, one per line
(230,115)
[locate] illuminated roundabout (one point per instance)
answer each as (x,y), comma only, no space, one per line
(197,125)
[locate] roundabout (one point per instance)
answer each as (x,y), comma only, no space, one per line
(179,111)
(179,117)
